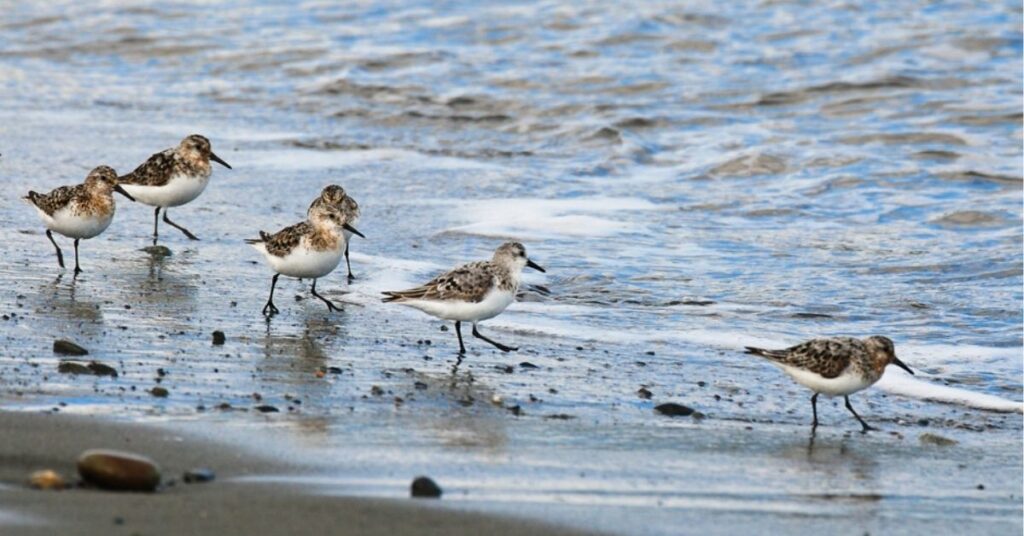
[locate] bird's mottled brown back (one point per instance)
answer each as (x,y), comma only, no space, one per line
(156,171)
(469,282)
(827,357)
(284,241)
(58,198)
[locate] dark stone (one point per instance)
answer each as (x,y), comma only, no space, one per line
(673,410)
(420,385)
(559,417)
(266,408)
(198,475)
(100,369)
(218,338)
(73,367)
(159,392)
(376,390)
(507,369)
(528,365)
(65,347)
(424,486)
(115,470)
(644,393)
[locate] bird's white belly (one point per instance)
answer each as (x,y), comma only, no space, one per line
(491,306)
(71,225)
(179,190)
(306,263)
(842,385)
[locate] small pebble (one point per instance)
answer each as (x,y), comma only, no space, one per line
(46,479)
(218,338)
(198,475)
(66,347)
(424,486)
(673,410)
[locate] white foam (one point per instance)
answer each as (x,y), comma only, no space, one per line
(305,159)
(534,218)
(894,381)
(905,385)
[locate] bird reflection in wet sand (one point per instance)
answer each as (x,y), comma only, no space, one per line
(838,366)
(472,292)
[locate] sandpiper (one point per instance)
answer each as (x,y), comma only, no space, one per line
(838,366)
(472,292)
(336,197)
(172,178)
(81,211)
(311,249)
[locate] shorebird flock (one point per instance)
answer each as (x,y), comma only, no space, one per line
(471,293)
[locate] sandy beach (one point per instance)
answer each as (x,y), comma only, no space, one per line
(224,506)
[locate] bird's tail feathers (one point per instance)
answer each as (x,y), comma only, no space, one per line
(263,238)
(770,354)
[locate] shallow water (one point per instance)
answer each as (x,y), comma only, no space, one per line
(694,178)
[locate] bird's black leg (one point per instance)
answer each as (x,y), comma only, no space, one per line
(77,269)
(269,307)
(814,408)
(497,345)
(330,306)
(349,264)
(458,331)
(60,254)
(862,423)
(178,227)
(156,224)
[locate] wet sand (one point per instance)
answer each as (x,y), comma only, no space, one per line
(225,506)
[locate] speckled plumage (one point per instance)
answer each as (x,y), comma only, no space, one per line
(334,196)
(307,250)
(469,282)
(172,178)
(286,240)
(838,366)
(91,198)
(472,292)
(827,357)
(79,212)
(158,169)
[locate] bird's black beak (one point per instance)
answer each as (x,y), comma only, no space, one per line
(902,365)
(217,159)
(122,191)
(352,230)
(535,266)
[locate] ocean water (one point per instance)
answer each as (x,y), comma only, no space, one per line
(695,177)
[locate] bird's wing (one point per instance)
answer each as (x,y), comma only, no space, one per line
(469,282)
(157,170)
(827,357)
(55,200)
(284,241)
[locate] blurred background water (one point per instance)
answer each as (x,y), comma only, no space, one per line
(694,176)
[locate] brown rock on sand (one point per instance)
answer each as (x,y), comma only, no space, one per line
(121,471)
